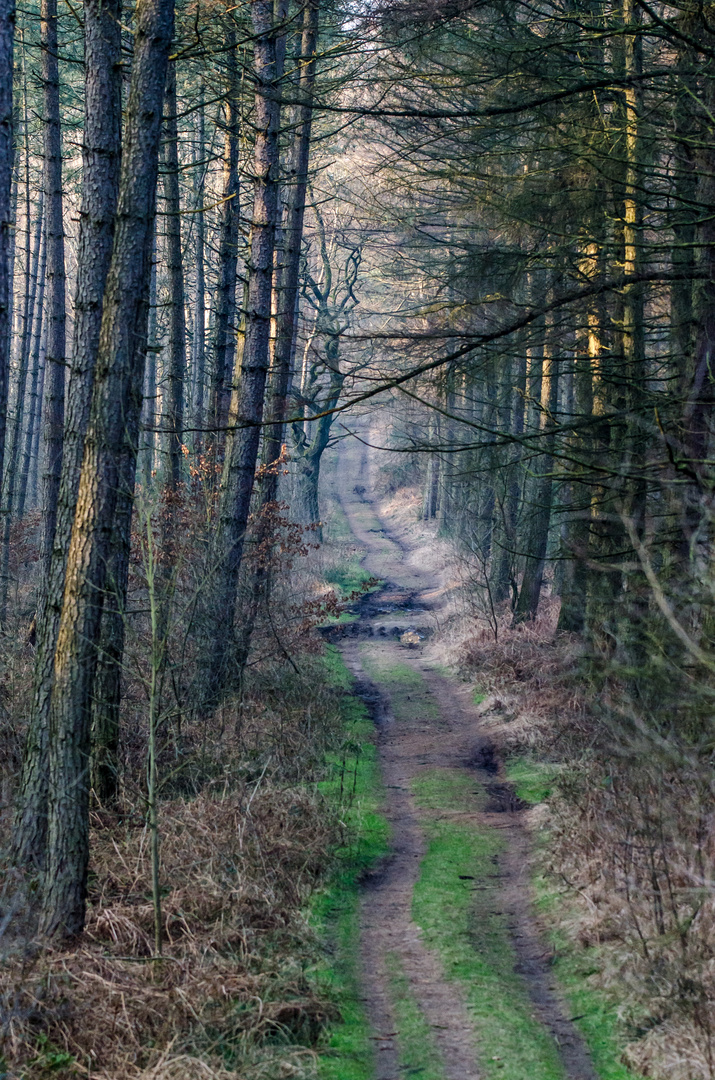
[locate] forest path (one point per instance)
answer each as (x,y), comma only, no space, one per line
(425,1022)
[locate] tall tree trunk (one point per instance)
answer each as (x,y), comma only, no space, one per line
(33,418)
(430,497)
(633,264)
(504,541)
(199,364)
(41,345)
(54,406)
(107,696)
(29,839)
(7,39)
(309,458)
(246,411)
(24,346)
(173,418)
(286,304)
(684,214)
(113,425)
(574,593)
(224,337)
(538,534)
(173,411)
(36,291)
(151,389)
(697,417)
(102,144)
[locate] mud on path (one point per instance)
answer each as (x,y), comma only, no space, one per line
(448,738)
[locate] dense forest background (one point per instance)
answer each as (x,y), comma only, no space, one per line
(478,237)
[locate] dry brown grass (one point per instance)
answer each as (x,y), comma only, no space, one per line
(631,837)
(237,872)
(245,841)
(533,701)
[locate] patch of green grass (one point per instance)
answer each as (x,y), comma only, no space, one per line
(478,696)
(50,1059)
(407,690)
(336,528)
(447,789)
(354,784)
(462,921)
(597,1010)
(533,781)
(348,576)
(418,1053)
(336,673)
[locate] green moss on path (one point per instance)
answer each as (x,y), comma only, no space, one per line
(418,1053)
(456,905)
(354,784)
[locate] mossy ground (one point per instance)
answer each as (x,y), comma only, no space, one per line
(418,1053)
(596,1012)
(456,904)
(354,783)
(533,780)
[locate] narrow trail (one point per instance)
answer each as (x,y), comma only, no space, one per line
(448,738)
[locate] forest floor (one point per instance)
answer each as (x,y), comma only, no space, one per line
(456,968)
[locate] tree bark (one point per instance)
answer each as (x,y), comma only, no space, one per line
(246,411)
(101,152)
(224,338)
(41,344)
(151,389)
(199,350)
(173,418)
(35,392)
(113,425)
(107,696)
(37,292)
(538,535)
(24,347)
(29,840)
(7,39)
(54,405)
(286,303)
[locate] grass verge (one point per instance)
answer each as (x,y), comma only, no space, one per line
(533,781)
(574,967)
(354,784)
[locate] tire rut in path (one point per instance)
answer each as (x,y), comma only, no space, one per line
(386,922)
(532,957)
(386,927)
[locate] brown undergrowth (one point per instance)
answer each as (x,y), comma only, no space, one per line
(240,861)
(627,839)
(246,839)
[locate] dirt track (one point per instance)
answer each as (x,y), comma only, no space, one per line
(412,599)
